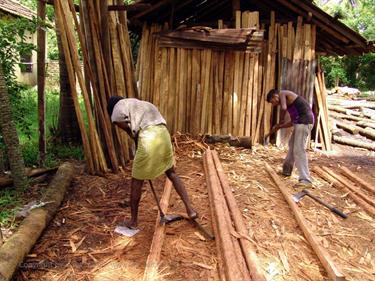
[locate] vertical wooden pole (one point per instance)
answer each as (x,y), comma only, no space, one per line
(41,60)
(236,6)
(105,40)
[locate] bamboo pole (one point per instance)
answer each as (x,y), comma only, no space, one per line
(86,145)
(99,160)
(236,98)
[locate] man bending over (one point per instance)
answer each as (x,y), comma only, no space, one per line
(154,154)
(302,119)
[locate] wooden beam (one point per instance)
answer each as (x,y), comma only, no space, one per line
(236,6)
(323,26)
(136,7)
(349,185)
(354,142)
(223,237)
(51,2)
(152,263)
(333,271)
(151,9)
(327,177)
(357,179)
(251,258)
(330,21)
(41,73)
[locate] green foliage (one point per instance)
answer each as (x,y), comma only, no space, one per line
(8,205)
(13,36)
(358,71)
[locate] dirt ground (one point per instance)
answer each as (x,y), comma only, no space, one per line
(80,243)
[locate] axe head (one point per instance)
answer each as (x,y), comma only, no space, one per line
(298,196)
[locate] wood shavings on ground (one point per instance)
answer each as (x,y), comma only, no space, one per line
(349,241)
(80,243)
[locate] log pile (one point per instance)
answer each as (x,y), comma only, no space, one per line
(357,119)
(298,65)
(108,70)
(236,255)
(223,92)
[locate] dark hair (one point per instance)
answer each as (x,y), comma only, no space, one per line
(111,104)
(271,93)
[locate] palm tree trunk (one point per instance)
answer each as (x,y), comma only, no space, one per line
(10,136)
(68,129)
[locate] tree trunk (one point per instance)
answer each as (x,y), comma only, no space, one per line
(68,129)
(10,136)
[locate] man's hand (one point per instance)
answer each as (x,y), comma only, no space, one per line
(274,129)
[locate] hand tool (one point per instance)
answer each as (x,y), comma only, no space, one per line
(164,218)
(266,139)
(298,197)
(201,229)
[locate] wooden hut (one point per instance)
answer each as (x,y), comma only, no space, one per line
(204,87)
(206,64)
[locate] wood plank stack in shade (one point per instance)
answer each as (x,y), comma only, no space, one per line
(223,92)
(108,69)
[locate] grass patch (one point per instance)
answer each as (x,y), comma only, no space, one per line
(28,130)
(9,203)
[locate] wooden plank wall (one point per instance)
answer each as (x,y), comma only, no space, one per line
(204,91)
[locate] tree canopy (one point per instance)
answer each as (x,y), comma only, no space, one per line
(353,71)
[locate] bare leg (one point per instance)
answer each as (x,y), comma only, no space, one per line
(135,197)
(180,188)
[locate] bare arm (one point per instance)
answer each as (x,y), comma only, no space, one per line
(283,100)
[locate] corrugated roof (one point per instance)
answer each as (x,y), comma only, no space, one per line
(16,8)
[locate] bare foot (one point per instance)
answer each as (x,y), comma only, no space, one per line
(130,224)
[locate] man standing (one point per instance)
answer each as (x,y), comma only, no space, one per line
(154,154)
(302,119)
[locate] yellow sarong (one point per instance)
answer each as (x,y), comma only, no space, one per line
(154,154)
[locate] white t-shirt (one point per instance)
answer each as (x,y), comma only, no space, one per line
(140,114)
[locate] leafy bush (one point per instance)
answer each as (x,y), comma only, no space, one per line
(355,71)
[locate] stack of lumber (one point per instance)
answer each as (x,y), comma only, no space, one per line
(243,39)
(357,119)
(297,63)
(236,255)
(323,134)
(207,90)
(108,70)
